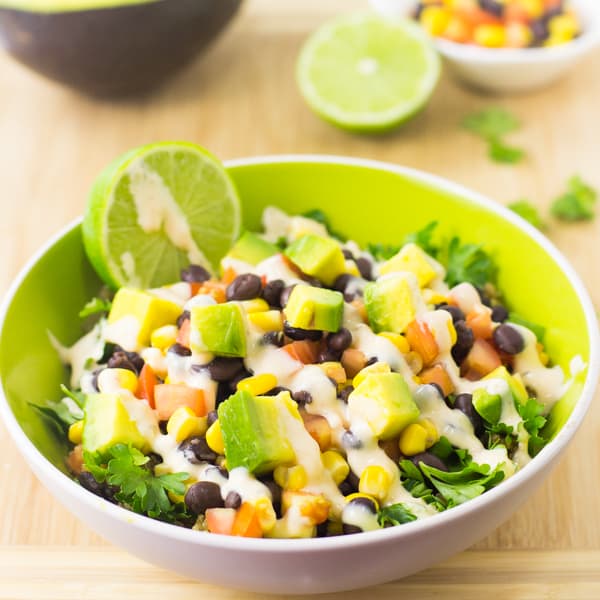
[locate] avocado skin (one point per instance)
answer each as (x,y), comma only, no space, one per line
(118,51)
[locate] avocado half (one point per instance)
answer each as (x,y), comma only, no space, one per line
(111,47)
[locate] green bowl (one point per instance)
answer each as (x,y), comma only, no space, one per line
(366,200)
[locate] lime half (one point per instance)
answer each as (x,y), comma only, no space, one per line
(365,73)
(157,209)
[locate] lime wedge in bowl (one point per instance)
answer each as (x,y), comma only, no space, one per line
(365,73)
(157,209)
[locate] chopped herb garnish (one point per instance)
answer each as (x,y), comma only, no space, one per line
(529,212)
(577,203)
(381,252)
(424,239)
(533,421)
(468,263)
(503,153)
(95,306)
(395,514)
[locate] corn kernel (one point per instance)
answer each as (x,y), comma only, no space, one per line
(76,432)
(398,340)
(452,332)
(176,498)
(413,440)
(255,305)
(434,19)
(432,433)
(184,423)
(375,481)
(337,466)
(378,367)
(110,381)
(269,320)
(164,337)
(266,514)
(290,478)
(563,28)
(374,500)
(258,384)
(214,438)
(533,8)
(490,36)
(334,371)
(315,508)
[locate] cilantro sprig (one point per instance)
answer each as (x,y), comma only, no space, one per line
(395,514)
(529,212)
(492,124)
(139,489)
(95,306)
(577,203)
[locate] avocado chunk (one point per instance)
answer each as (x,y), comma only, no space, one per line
(384,401)
(411,258)
(218,328)
(107,422)
(390,302)
(515,384)
(310,307)
(141,313)
(488,405)
(317,256)
(254,431)
(252,249)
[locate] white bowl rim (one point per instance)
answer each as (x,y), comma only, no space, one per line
(60,481)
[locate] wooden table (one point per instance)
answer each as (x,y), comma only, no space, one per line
(240,100)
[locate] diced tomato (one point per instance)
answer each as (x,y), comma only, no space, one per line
(481,360)
(168,397)
(421,340)
(303,350)
(437,374)
(229,275)
(480,321)
(146,383)
(247,522)
(220,520)
(473,15)
(183,335)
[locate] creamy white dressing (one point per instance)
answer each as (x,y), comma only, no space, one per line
(156,359)
(199,300)
(125,332)
(275,267)
(128,268)
(466,297)
(178,293)
(360,516)
(278,224)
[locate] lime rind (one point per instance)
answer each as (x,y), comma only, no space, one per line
(316,57)
(156,209)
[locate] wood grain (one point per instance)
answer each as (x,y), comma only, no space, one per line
(239,100)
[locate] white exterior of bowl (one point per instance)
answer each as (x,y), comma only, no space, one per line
(323,564)
(509,70)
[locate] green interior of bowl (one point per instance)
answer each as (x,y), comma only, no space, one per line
(365,203)
(55,6)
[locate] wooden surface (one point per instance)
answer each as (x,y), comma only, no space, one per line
(240,100)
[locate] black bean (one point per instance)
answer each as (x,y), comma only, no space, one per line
(485,299)
(136,360)
(322,529)
(233,500)
(223,368)
(244,287)
(339,341)
(119,360)
(211,417)
(272,292)
(162,426)
(296,333)
(312,281)
(196,450)
(341,283)
(343,395)
(346,488)
(350,529)
(275,338)
(195,274)
(203,495)
(274,489)
(431,460)
(540,30)
(104,490)
(365,503)
(365,267)
(109,350)
(508,339)
(180,350)
(302,397)
(455,312)
(94,380)
(233,383)
(153,460)
(464,403)
(277,390)
(223,392)
(347,254)
(499,314)
(437,388)
(285,294)
(493,7)
(464,342)
(371,361)
(328,356)
(350,441)
(183,317)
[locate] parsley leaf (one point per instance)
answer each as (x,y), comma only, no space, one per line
(468,262)
(395,514)
(502,153)
(577,203)
(529,212)
(533,422)
(381,252)
(423,238)
(139,489)
(414,482)
(94,306)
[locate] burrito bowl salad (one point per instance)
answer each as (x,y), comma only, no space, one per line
(313,388)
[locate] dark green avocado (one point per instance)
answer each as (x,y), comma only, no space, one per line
(111,47)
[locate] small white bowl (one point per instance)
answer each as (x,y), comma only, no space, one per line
(509,70)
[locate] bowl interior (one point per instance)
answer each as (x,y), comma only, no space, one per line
(364,201)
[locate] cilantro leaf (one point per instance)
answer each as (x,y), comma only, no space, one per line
(77,397)
(139,489)
(491,123)
(529,212)
(533,422)
(468,263)
(577,203)
(423,238)
(502,153)
(94,306)
(538,330)
(395,514)
(414,482)
(381,252)
(61,414)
